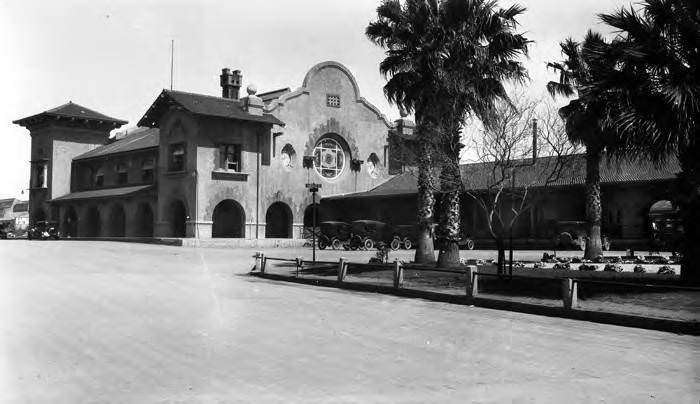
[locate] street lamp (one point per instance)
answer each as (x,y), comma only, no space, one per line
(313,187)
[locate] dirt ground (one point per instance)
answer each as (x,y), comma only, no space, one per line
(109,322)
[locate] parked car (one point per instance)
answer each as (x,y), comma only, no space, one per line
(43,231)
(406,235)
(334,234)
(367,233)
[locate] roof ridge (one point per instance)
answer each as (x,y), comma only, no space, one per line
(203,95)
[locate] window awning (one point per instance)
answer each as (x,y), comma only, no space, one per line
(102,193)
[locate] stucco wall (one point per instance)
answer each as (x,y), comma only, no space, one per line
(307,119)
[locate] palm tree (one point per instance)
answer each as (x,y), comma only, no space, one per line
(409,34)
(585,122)
(657,75)
(446,59)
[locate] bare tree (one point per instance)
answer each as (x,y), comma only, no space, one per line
(524,148)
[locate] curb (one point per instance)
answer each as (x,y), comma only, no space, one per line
(625,320)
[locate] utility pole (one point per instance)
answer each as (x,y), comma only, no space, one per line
(172,63)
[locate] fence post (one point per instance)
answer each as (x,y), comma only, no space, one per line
(570,293)
(398,274)
(342,267)
(472,287)
(263,261)
(257,261)
(299,262)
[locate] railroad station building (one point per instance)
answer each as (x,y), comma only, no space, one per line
(208,166)
(230,166)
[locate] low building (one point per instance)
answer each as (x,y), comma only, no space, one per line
(14,214)
(633,194)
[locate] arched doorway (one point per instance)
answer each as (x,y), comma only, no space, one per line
(278,221)
(92,222)
(309,212)
(70,222)
(144,220)
(178,218)
(229,220)
(117,221)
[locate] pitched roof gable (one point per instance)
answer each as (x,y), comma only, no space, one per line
(140,138)
(202,105)
(71,110)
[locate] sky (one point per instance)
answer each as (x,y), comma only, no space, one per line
(114,56)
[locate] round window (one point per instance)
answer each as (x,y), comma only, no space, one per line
(329,158)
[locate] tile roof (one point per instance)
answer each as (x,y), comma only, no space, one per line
(102,193)
(72,110)
(139,138)
(475,176)
(274,94)
(6,203)
(202,105)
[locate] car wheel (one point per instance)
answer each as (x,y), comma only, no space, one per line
(395,244)
(322,244)
(470,244)
(407,243)
(368,244)
(336,244)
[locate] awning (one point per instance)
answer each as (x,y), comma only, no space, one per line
(102,193)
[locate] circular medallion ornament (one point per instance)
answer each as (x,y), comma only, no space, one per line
(329,158)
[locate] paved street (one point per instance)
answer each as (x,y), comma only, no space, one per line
(109,322)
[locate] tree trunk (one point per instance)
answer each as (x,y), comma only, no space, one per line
(425,251)
(689,206)
(448,230)
(501,247)
(594,244)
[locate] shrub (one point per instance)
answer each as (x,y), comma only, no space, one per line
(538,265)
(613,268)
(639,268)
(616,260)
(564,259)
(599,259)
(576,260)
(666,270)
(562,265)
(587,267)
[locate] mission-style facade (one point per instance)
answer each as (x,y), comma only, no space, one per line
(207,166)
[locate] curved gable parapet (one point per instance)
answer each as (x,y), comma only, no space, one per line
(314,71)
(374,109)
(331,65)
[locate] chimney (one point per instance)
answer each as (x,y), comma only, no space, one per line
(230,83)
(534,140)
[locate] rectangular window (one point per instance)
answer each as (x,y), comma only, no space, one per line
(176,161)
(230,157)
(147,170)
(333,101)
(39,178)
(122,174)
(99,178)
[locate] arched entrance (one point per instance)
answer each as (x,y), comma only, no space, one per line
(278,221)
(144,220)
(92,222)
(309,212)
(117,221)
(70,222)
(229,220)
(178,218)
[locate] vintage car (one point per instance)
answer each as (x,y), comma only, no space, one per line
(405,235)
(43,231)
(366,234)
(465,242)
(333,234)
(572,235)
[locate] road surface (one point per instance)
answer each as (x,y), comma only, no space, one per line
(108,322)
